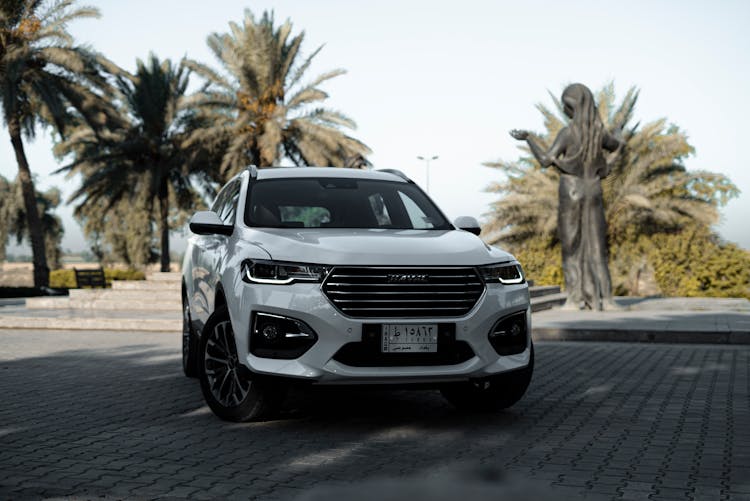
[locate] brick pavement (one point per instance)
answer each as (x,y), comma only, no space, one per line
(103,414)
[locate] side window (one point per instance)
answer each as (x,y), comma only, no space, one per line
(218,204)
(379,209)
(419,221)
(229,211)
(225,205)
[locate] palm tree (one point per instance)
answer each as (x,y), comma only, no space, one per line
(258,106)
(42,76)
(142,155)
(648,191)
(14,220)
(122,232)
(6,195)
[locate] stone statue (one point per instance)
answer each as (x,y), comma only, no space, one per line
(583,153)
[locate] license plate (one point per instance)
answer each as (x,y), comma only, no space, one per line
(409,338)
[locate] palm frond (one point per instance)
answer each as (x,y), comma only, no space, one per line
(256,102)
(649,188)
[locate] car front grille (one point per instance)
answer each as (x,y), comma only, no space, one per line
(413,292)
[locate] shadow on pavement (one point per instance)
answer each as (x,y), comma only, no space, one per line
(125,421)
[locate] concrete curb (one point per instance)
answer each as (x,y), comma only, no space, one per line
(13,301)
(90,324)
(640,336)
(101,304)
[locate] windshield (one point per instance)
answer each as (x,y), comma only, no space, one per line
(340,203)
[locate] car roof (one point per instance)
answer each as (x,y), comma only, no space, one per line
(315,172)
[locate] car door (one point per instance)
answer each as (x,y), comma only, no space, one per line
(206,253)
(217,247)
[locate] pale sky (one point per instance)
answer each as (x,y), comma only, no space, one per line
(452,78)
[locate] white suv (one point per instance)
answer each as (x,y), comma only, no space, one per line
(340,276)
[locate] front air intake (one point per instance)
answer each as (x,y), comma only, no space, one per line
(403,292)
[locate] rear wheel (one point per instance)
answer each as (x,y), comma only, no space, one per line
(231,391)
(189,344)
(491,393)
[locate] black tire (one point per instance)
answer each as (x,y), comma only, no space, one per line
(189,342)
(492,393)
(231,391)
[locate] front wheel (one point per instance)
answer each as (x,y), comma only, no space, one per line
(231,391)
(491,393)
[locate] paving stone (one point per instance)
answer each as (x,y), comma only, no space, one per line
(109,414)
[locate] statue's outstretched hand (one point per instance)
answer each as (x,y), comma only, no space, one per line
(519,134)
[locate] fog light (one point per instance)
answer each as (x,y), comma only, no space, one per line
(515,330)
(509,334)
(270,332)
(277,336)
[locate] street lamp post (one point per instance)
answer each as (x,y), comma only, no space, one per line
(427,161)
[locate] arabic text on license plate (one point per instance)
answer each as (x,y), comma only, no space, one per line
(409,338)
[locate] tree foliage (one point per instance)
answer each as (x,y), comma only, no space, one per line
(122,233)
(138,169)
(258,107)
(43,76)
(14,221)
(648,194)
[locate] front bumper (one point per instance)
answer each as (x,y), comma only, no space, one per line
(306,302)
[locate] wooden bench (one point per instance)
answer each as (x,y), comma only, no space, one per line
(90,278)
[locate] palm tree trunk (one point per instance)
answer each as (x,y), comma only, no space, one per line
(164,224)
(257,158)
(41,271)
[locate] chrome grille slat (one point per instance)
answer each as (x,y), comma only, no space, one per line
(350,293)
(390,308)
(338,284)
(364,292)
(404,300)
(386,276)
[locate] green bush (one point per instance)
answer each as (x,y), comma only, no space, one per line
(111,274)
(630,266)
(62,279)
(541,261)
(690,263)
(66,279)
(694,262)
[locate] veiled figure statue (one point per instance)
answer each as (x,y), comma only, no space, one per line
(583,152)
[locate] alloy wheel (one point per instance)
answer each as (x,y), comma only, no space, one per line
(227,384)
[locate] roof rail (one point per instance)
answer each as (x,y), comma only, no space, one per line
(253,171)
(398,173)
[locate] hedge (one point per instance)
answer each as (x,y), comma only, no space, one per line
(693,262)
(66,279)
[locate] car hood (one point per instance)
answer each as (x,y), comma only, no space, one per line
(375,246)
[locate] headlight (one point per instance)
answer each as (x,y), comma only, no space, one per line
(505,273)
(274,272)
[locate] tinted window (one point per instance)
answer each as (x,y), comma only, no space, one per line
(417,217)
(229,214)
(379,209)
(340,203)
(303,216)
(220,200)
(225,205)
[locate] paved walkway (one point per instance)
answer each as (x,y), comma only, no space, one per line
(665,320)
(19,317)
(90,414)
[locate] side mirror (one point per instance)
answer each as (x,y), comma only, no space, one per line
(207,222)
(468,223)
